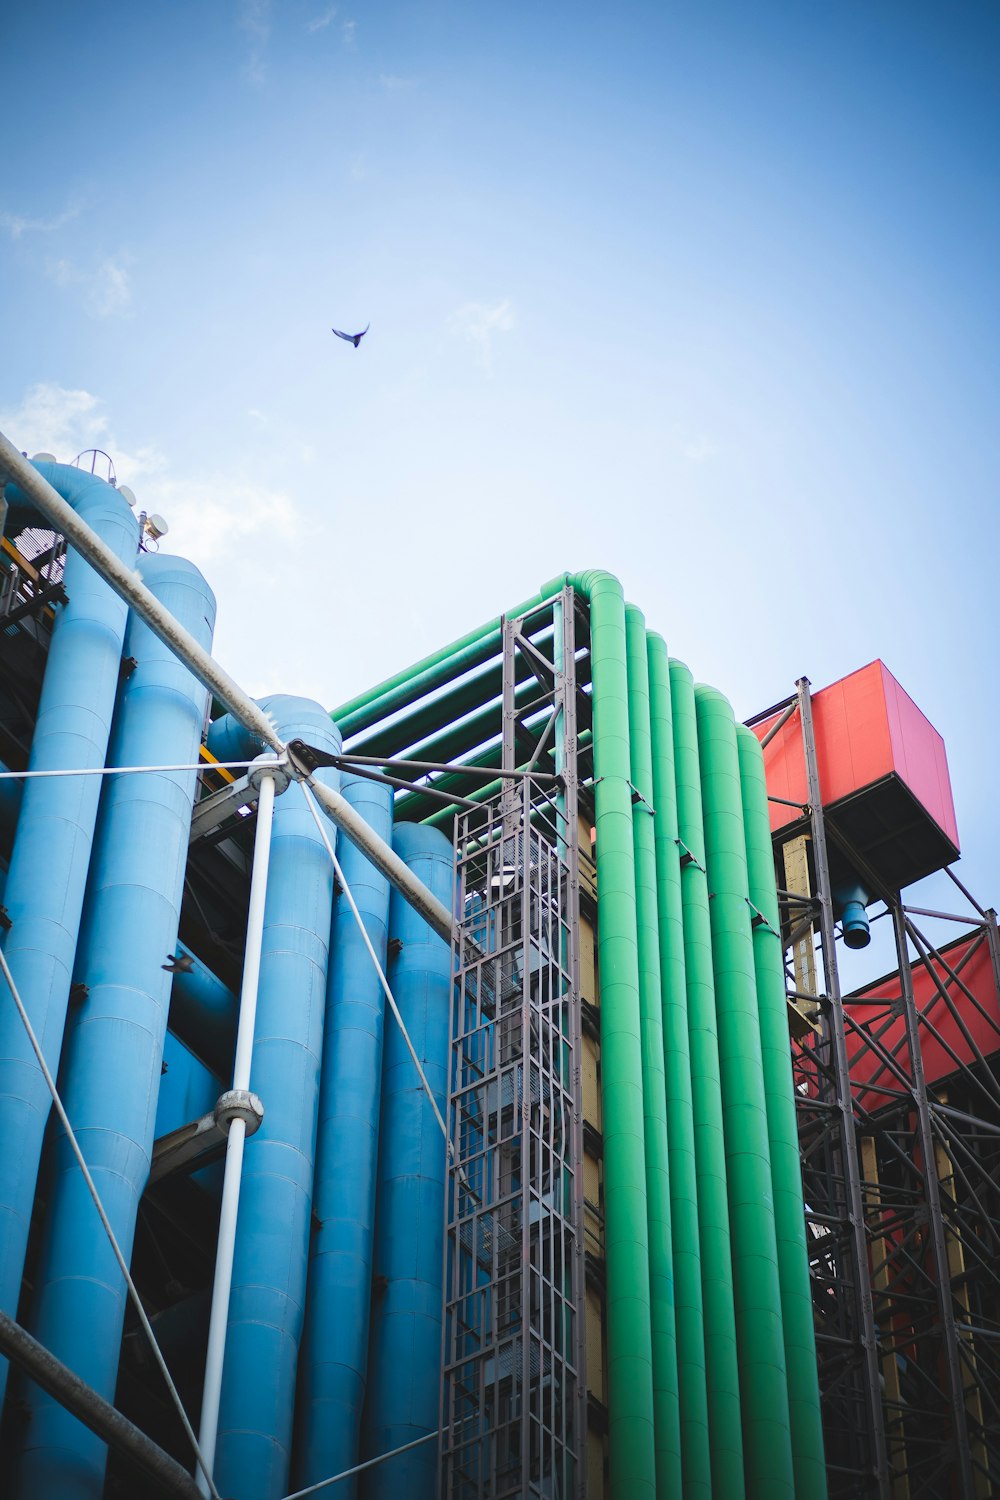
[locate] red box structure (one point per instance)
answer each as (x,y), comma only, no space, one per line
(883,773)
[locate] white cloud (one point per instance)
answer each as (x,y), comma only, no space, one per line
(478,323)
(348,32)
(107,288)
(248,537)
(322,21)
(255,20)
(18,224)
(52,419)
(392,82)
(210,514)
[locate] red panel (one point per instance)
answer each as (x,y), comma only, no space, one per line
(919,756)
(970,959)
(866,729)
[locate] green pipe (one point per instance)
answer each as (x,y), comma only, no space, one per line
(721,1363)
(760,1338)
(455,742)
(695,1447)
(479,692)
(433,671)
(427,717)
(666,1399)
(786,1174)
(626,1239)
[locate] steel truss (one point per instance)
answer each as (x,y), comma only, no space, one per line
(902,1186)
(514,1396)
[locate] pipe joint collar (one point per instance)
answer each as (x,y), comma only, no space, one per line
(276,767)
(238,1104)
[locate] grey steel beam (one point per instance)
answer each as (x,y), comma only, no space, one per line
(93,1411)
(850,1166)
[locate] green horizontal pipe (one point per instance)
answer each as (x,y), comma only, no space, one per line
(666,1400)
(760,1336)
(433,671)
(786,1174)
(688,1302)
(454,740)
(427,718)
(721,1362)
(629,1341)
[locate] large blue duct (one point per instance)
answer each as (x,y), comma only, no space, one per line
(333,1368)
(51,853)
(256,1413)
(405,1352)
(113,1049)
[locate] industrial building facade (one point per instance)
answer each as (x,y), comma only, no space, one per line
(464,1074)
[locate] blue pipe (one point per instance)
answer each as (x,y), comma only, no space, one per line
(333,1370)
(113,1049)
(272,1239)
(404,1365)
(51,852)
(203,1012)
(850,901)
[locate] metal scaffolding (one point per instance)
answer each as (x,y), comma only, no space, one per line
(514,1414)
(900,1177)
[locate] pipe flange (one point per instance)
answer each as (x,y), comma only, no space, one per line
(271,765)
(238,1104)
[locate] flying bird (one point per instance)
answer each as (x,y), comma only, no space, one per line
(178,963)
(352,338)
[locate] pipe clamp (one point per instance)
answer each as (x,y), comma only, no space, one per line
(271,765)
(238,1104)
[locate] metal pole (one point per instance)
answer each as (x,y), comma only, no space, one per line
(962,1473)
(128,585)
(93,1411)
(219,1318)
(834,1016)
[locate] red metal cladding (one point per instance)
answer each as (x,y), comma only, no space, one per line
(883,772)
(875,1028)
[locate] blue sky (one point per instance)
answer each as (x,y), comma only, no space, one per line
(701,293)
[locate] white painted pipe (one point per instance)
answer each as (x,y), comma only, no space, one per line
(130,587)
(219,1317)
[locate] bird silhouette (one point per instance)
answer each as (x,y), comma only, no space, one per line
(352,338)
(178,963)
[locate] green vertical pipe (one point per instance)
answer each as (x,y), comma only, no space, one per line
(629,1350)
(760,1337)
(721,1365)
(666,1401)
(688,1303)
(786,1173)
